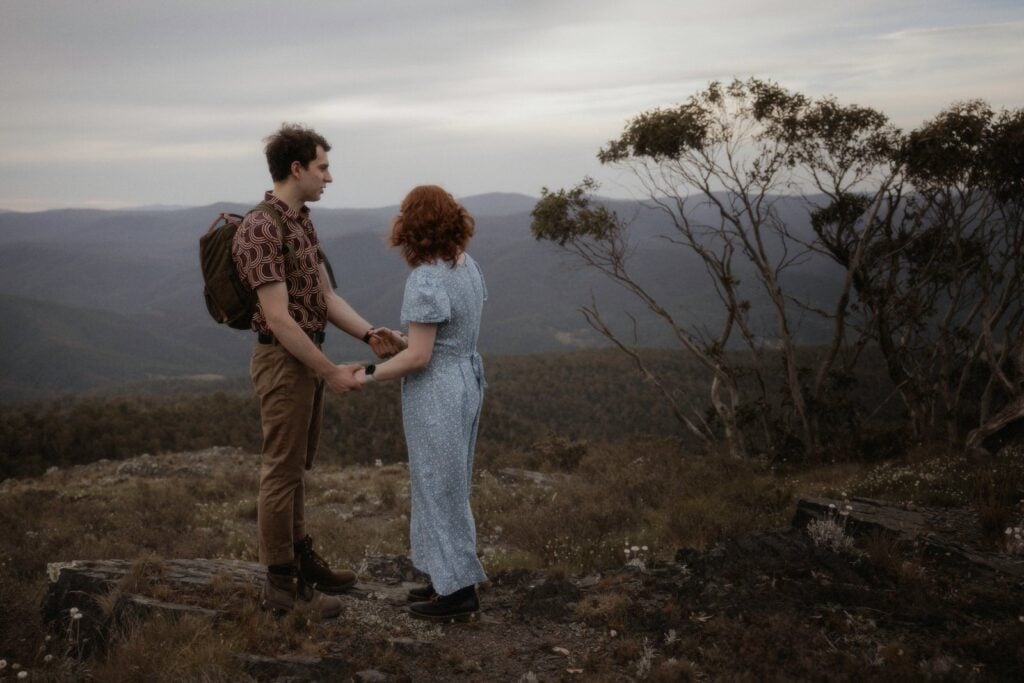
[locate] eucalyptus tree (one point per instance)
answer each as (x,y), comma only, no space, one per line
(923,229)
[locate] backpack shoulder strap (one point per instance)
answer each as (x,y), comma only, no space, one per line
(274,214)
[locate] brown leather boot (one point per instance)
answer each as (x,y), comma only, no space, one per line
(284,592)
(315,571)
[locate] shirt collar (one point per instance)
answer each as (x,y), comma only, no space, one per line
(281,206)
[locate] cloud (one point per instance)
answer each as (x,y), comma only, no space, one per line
(504,95)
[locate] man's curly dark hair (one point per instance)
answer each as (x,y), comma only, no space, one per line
(292,143)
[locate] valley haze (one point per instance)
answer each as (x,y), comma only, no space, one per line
(96,298)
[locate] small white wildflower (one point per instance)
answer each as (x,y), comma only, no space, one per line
(76,616)
(831,506)
(635,549)
(48,658)
(22,674)
(644,548)
(3,662)
(73,611)
(613,633)
(378,463)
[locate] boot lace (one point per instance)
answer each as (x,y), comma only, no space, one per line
(310,555)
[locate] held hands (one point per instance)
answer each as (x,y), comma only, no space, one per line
(342,380)
(386,342)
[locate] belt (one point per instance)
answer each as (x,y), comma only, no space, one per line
(267,338)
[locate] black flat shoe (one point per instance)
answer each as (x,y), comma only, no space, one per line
(462,605)
(421,594)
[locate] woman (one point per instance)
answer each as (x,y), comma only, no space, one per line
(442,391)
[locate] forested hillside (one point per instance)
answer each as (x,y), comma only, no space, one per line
(116,296)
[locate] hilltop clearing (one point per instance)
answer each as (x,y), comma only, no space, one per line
(674,589)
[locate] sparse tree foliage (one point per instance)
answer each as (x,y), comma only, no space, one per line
(947,298)
(922,229)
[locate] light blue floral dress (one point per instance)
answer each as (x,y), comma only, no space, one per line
(441,413)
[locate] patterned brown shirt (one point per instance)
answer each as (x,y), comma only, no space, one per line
(260,259)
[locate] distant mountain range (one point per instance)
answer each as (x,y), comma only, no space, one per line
(92,298)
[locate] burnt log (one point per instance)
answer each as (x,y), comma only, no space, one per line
(931,527)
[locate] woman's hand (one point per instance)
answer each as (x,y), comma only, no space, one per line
(386,342)
(415,354)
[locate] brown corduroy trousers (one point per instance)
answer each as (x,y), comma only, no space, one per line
(291,413)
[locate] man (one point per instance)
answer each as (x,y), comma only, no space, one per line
(289,371)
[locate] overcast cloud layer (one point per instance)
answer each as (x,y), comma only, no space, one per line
(111,103)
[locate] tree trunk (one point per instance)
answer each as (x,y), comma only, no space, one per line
(1013,411)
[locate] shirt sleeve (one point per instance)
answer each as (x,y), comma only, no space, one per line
(257,250)
(426,300)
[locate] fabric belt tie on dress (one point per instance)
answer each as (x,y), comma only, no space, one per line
(267,338)
(478,369)
(474,358)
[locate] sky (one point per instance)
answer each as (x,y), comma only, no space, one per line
(115,103)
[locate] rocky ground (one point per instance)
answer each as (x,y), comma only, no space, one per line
(861,591)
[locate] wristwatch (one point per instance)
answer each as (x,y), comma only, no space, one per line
(370,369)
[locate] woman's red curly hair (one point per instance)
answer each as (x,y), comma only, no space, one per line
(431,225)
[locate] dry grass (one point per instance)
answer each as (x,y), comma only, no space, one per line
(647,494)
(163,649)
(934,475)
(599,502)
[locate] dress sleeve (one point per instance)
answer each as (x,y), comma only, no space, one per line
(483,282)
(426,300)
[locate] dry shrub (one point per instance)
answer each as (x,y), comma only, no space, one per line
(932,474)
(226,592)
(552,453)
(387,491)
(578,527)
(724,498)
(883,551)
(166,649)
(699,521)
(675,671)
(898,559)
(626,650)
(248,509)
(997,494)
(610,610)
(228,483)
(644,492)
(346,543)
(257,630)
(776,646)
(144,575)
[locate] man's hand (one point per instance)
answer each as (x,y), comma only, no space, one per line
(342,379)
(386,343)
